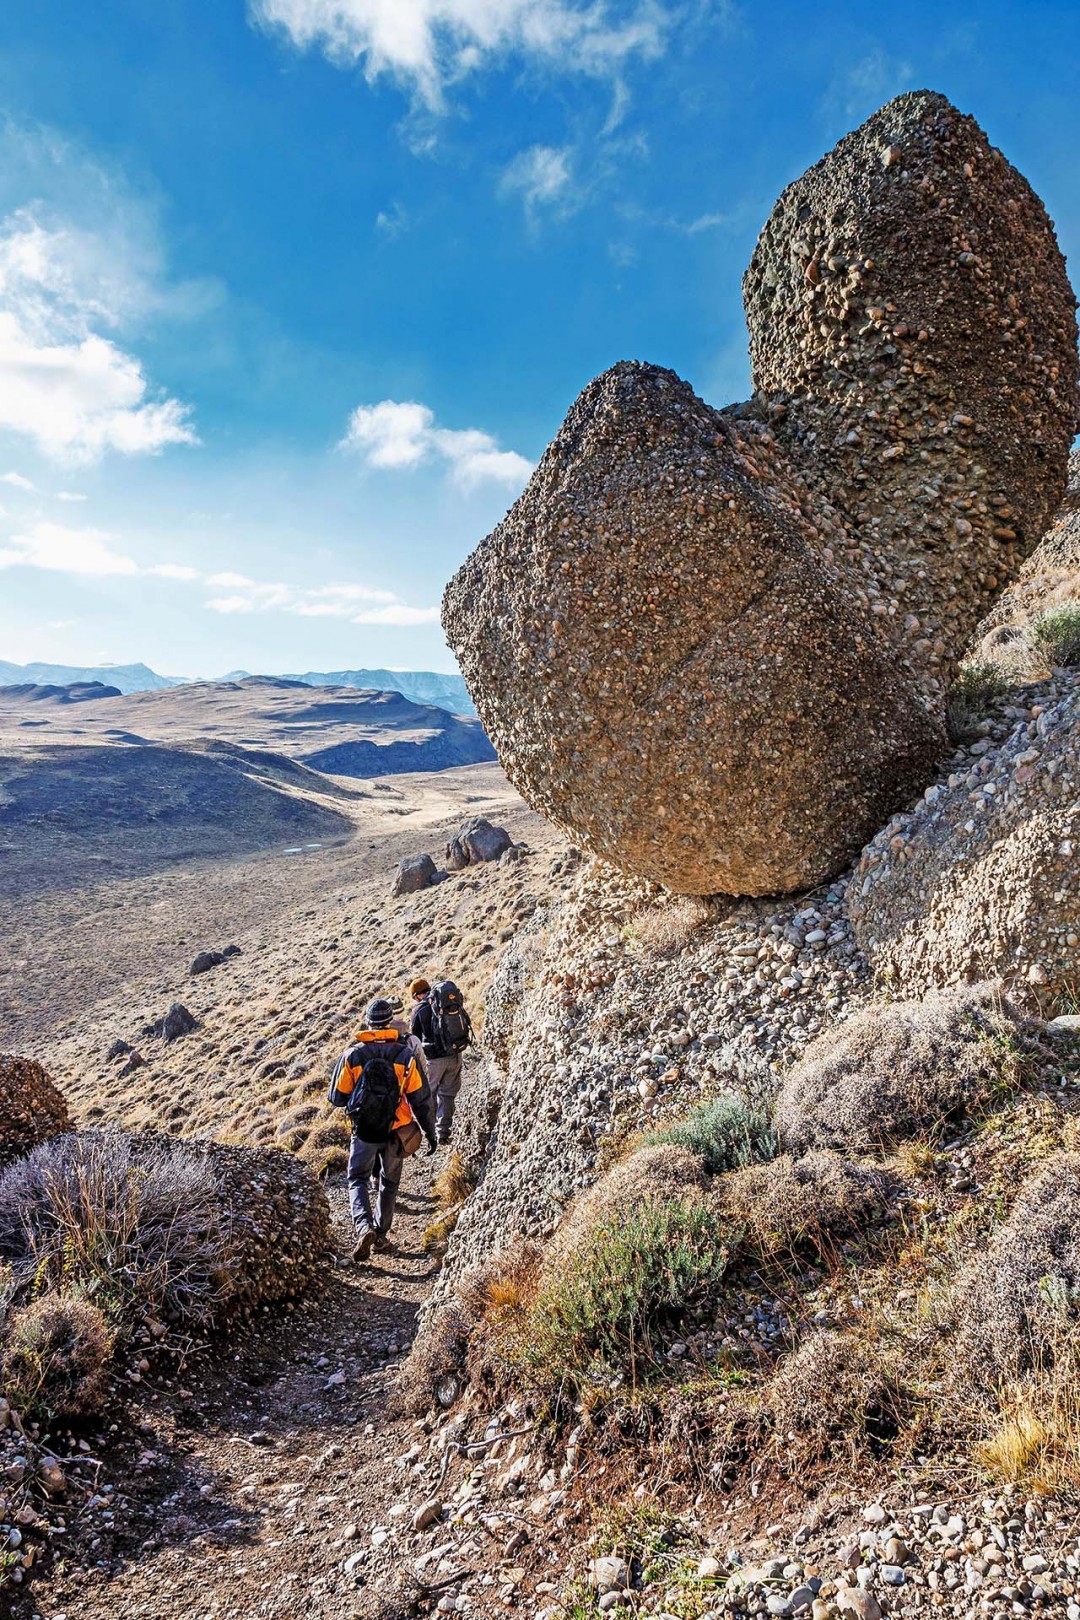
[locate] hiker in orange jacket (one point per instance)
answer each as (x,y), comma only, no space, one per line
(379,1084)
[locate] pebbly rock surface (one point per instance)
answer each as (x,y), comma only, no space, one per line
(714,648)
(31,1108)
(982,878)
(615,1011)
(1049,580)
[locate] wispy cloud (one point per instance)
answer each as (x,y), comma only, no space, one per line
(859,89)
(359,604)
(61,550)
(428,45)
(69,495)
(399,434)
(542,176)
(16,480)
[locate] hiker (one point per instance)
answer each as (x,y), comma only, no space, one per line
(402,1024)
(444,1028)
(379,1084)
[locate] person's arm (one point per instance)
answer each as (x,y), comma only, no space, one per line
(341,1085)
(418,1098)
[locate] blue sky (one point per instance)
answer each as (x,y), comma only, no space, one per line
(294,292)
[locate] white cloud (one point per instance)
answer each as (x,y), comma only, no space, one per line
(57,549)
(16,480)
(359,604)
(542,177)
(74,274)
(427,45)
(69,495)
(403,433)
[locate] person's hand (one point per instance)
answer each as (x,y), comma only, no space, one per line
(431,1146)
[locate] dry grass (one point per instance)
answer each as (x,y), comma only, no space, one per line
(454,1182)
(897,1070)
(56,1358)
(663,929)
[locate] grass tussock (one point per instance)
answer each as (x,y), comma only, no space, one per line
(454,1182)
(475,1336)
(663,929)
(56,1359)
(897,1070)
(724,1134)
(837,1396)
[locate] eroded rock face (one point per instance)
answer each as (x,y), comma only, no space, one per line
(712,646)
(982,877)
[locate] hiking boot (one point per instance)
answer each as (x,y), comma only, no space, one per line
(383,1244)
(444,1140)
(364,1244)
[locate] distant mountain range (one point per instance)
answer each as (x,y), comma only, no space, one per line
(126,677)
(421,686)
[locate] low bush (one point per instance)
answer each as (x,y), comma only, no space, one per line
(974,691)
(796,1208)
(56,1358)
(601,1303)
(836,1397)
(1018,1305)
(32,1110)
(1056,635)
(454,1182)
(474,1335)
(897,1070)
(724,1134)
(196,1232)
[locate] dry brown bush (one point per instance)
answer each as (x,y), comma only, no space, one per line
(31,1108)
(789,1207)
(836,1397)
(56,1358)
(302,1114)
(1018,1303)
(667,927)
(900,1069)
(471,1338)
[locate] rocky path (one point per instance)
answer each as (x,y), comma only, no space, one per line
(249,1493)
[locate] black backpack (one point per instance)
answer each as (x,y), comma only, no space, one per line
(452,1025)
(374,1099)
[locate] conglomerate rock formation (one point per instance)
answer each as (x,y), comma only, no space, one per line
(713,647)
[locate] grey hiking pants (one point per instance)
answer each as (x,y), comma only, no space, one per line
(444,1083)
(371,1162)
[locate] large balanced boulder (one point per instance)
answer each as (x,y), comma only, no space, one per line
(714,647)
(31,1108)
(982,878)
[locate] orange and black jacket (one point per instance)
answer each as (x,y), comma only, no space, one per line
(415,1098)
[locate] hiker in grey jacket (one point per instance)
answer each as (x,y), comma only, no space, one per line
(444,1039)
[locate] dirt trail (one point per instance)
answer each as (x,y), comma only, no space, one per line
(255,1485)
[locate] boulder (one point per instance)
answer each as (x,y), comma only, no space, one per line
(477,841)
(205,961)
(32,1110)
(176,1022)
(713,647)
(414,872)
(982,878)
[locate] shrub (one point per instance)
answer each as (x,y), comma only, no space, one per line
(1056,635)
(454,1182)
(836,1397)
(138,1228)
(971,697)
(472,1334)
(660,1173)
(724,1134)
(795,1207)
(605,1299)
(896,1070)
(31,1108)
(1017,1304)
(143,1223)
(56,1359)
